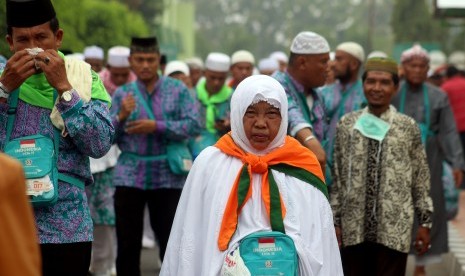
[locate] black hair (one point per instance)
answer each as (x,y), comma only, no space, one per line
(54,26)
(395,78)
(452,71)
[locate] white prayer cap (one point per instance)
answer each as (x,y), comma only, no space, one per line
(268,64)
(242,56)
(218,62)
(195,62)
(309,43)
(118,56)
(379,54)
(93,52)
(279,56)
(352,48)
(79,56)
(176,66)
(457,59)
(436,59)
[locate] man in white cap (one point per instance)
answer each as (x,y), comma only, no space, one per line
(430,108)
(307,69)
(178,70)
(196,68)
(118,70)
(94,56)
(242,65)
(213,95)
(268,66)
(281,58)
(345,95)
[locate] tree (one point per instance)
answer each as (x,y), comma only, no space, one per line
(151,10)
(412,21)
(87,22)
(265,26)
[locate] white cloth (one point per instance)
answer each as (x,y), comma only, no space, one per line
(93,52)
(217,62)
(308,43)
(193,244)
(107,161)
(252,90)
(269,64)
(242,56)
(352,48)
(192,247)
(279,56)
(118,56)
(176,66)
(80,76)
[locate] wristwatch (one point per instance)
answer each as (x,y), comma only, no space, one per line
(67,95)
(4,93)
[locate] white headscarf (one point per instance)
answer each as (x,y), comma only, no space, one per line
(250,91)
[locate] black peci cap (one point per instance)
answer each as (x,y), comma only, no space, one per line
(144,44)
(28,13)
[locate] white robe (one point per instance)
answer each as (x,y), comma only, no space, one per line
(192,247)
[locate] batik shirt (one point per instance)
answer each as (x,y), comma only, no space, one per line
(377,190)
(90,133)
(177,119)
(297,97)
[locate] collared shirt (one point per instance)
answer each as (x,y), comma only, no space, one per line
(398,185)
(297,110)
(177,119)
(90,133)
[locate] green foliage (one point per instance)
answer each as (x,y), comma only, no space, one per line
(265,26)
(4,49)
(87,22)
(151,10)
(412,22)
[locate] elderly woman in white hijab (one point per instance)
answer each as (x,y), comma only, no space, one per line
(254,179)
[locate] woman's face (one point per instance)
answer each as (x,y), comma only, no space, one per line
(261,124)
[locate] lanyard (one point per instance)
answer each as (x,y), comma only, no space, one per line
(403,95)
(12,117)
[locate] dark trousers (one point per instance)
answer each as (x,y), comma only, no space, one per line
(369,259)
(71,259)
(129,211)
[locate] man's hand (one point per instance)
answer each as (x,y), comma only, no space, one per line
(144,126)
(17,69)
(458,177)
(223,126)
(338,235)
(313,145)
(422,241)
(127,106)
(54,70)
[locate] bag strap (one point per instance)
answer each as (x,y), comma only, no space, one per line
(13,107)
(143,101)
(13,104)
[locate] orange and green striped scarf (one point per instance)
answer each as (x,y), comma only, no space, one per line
(291,159)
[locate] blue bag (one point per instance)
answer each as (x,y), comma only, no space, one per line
(269,253)
(38,155)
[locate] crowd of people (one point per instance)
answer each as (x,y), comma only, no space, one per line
(307,163)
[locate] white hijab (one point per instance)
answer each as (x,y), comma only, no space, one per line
(250,91)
